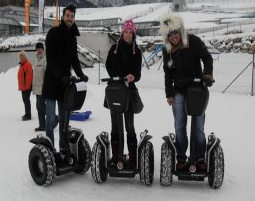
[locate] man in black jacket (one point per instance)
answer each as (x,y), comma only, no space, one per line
(61,55)
(182,55)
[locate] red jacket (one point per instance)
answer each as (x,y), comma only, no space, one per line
(25,76)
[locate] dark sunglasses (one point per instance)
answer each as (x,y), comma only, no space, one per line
(172,33)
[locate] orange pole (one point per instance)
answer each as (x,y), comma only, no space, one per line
(57,10)
(27,15)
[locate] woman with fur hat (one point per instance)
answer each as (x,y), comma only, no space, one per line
(182,55)
(124,60)
(25,76)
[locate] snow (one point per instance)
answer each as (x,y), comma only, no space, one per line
(19,41)
(229,115)
(124,12)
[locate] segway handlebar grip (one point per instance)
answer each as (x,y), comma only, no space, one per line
(114,79)
(197,80)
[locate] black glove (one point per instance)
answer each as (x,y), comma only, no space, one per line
(208,80)
(84,78)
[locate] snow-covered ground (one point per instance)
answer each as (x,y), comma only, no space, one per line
(229,115)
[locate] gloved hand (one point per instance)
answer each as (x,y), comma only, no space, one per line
(84,78)
(208,80)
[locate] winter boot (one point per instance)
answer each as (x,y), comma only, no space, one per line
(65,158)
(40,128)
(114,159)
(201,166)
(181,165)
(26,117)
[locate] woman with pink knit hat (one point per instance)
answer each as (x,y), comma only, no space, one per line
(124,60)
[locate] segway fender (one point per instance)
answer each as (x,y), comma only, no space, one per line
(213,142)
(75,136)
(144,140)
(170,139)
(104,141)
(166,139)
(41,139)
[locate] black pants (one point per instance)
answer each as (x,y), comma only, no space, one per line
(41,110)
(26,100)
(117,134)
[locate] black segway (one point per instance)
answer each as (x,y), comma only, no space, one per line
(44,162)
(196,98)
(117,98)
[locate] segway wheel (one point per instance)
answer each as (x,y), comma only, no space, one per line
(84,154)
(146,164)
(42,165)
(98,169)
(166,165)
(216,168)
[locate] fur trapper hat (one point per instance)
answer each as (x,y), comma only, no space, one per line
(169,23)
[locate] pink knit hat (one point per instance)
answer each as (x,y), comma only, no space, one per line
(128,25)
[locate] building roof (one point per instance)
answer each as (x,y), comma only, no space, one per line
(8,21)
(15,16)
(17,9)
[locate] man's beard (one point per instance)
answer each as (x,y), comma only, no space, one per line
(69,24)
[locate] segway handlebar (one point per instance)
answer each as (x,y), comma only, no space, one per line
(114,79)
(191,80)
(75,79)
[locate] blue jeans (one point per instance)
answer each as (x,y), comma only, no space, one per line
(180,117)
(50,118)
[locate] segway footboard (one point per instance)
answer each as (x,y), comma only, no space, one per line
(43,140)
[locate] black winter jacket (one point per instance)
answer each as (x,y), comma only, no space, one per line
(123,62)
(61,55)
(186,63)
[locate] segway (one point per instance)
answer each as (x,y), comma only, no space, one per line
(44,162)
(196,98)
(117,98)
